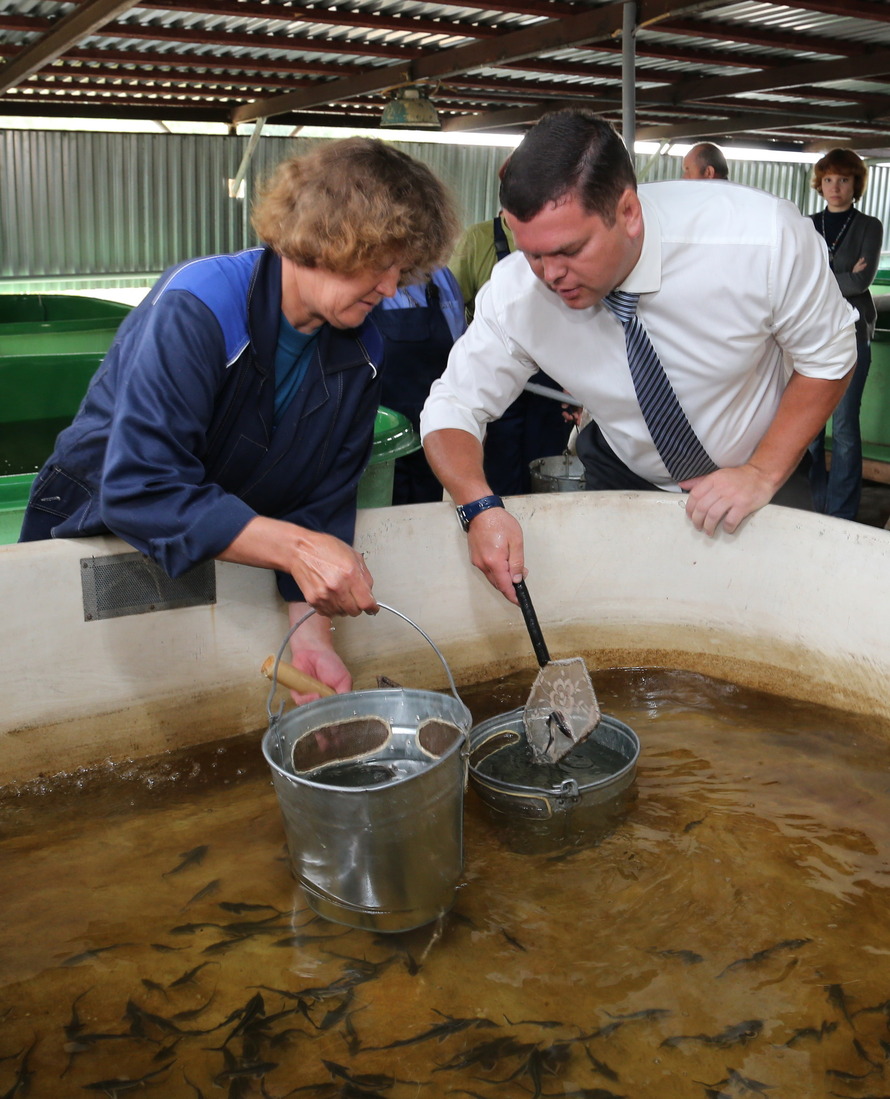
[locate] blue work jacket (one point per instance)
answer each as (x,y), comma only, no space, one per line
(173,447)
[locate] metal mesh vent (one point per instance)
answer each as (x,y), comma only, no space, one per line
(129,583)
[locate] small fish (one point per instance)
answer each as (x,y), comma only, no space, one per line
(123,1083)
(365,1080)
(693,824)
(188,976)
(189,858)
(687,957)
(209,889)
(224,945)
(646,1013)
(85,1041)
(22,1083)
(153,986)
(198,1093)
(192,1013)
(336,1014)
(602,1032)
(738,1082)
(734,1035)
(245,1072)
(353,1042)
(139,1017)
(90,955)
(768,952)
(238,909)
(437,1033)
(838,998)
(162,948)
(487,1054)
(863,1053)
(247,1016)
(841,1075)
(883,1008)
(547,1023)
(513,942)
(601,1067)
(75,1026)
(811,1032)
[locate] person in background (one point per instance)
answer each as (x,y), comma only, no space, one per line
(233,416)
(705,161)
(621,294)
(854,242)
(533,426)
(419,325)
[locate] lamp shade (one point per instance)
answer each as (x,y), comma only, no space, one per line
(409,109)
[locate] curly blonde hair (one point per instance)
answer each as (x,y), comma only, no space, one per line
(356,204)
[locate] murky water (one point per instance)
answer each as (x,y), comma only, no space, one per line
(730,937)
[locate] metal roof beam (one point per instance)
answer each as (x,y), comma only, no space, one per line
(570,31)
(754,120)
(876,63)
(520,116)
(70,29)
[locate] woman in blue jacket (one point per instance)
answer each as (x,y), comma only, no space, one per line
(233,416)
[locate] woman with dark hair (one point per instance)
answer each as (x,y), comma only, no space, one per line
(854,244)
(234,414)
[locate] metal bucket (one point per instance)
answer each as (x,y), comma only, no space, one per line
(575,802)
(376,842)
(560,473)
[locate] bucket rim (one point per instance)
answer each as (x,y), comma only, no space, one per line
(272,736)
(556,791)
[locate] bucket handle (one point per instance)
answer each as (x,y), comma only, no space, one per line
(273,718)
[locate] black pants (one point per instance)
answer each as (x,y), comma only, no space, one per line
(604,470)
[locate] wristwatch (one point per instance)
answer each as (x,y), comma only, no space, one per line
(466,513)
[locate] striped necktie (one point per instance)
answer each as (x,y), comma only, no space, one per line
(678,446)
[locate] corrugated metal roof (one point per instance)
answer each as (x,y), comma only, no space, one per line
(798,71)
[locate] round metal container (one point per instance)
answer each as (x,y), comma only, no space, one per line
(560,473)
(386,855)
(564,806)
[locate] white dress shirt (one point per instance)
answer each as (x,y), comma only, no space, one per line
(735,293)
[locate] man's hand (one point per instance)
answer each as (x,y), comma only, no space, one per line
(496,549)
(727,496)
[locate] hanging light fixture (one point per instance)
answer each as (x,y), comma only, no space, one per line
(410,109)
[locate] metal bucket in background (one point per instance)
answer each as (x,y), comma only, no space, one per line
(559,473)
(376,842)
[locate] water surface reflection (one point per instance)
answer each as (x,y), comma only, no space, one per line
(728,938)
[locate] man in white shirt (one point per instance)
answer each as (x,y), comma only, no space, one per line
(735,294)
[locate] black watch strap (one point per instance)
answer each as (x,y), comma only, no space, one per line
(466,513)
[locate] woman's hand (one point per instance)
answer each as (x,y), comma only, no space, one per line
(331,575)
(312,652)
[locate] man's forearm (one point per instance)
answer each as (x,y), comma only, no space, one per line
(455,456)
(803,411)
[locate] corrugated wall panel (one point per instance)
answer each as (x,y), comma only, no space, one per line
(94,209)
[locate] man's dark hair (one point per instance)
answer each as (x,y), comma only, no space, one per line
(709,155)
(568,152)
